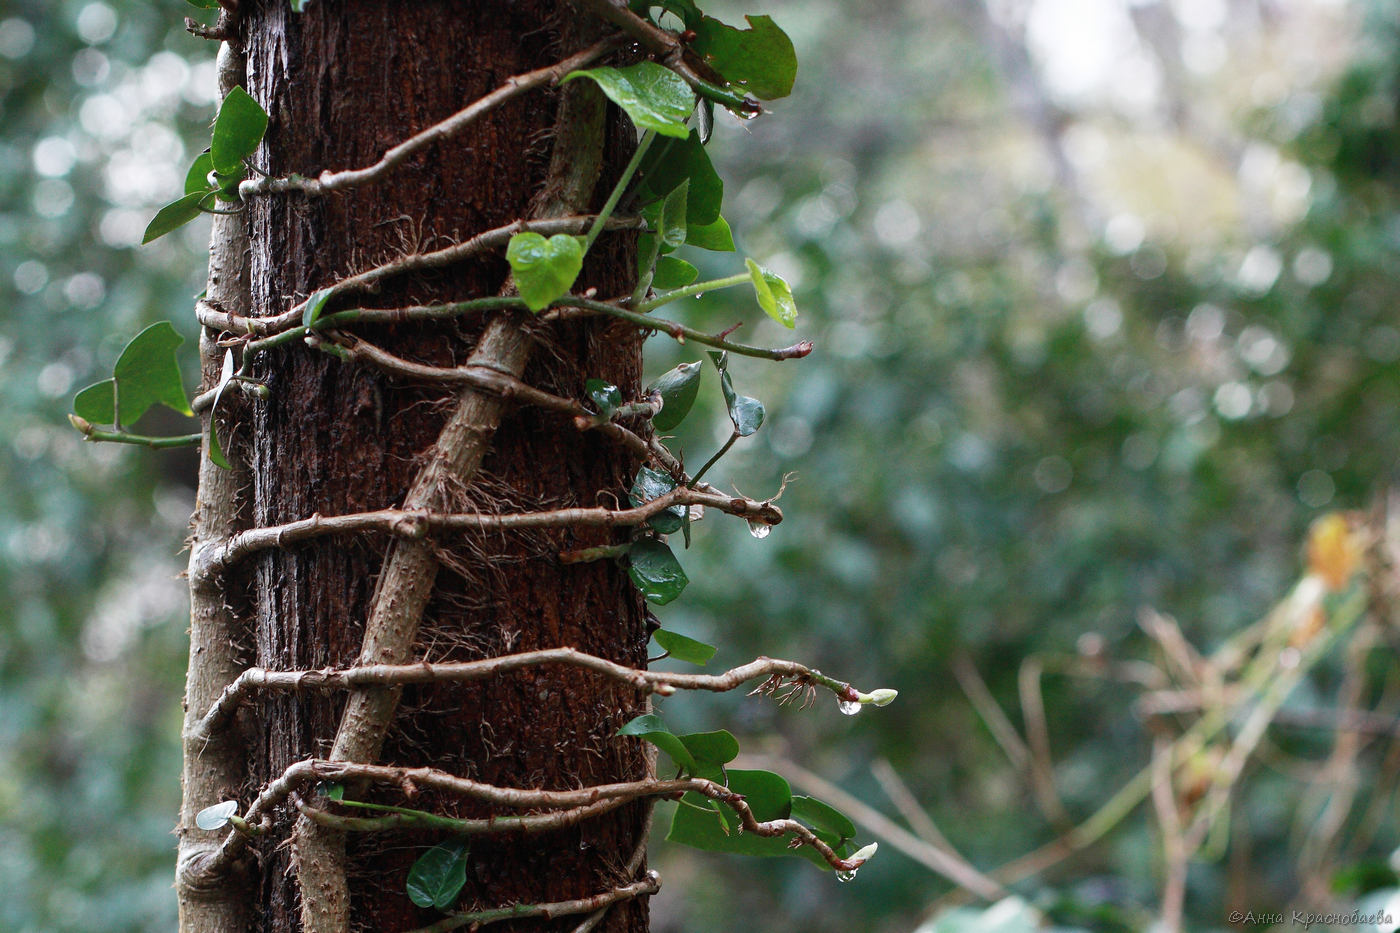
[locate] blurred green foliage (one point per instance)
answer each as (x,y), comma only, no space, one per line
(1023,421)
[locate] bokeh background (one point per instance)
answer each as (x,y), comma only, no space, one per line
(1104,296)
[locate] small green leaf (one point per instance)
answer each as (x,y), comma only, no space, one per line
(668,164)
(653,729)
(654,96)
(713,748)
(173,215)
(761,59)
(651,484)
(314,306)
(238,129)
(678,388)
(656,571)
(544,269)
(98,402)
(682,648)
(216,817)
(712,236)
(607,398)
(438,875)
(746,413)
(332,791)
(829,822)
(197,178)
(774,296)
(671,226)
(673,273)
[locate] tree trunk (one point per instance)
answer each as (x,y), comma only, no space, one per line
(342,83)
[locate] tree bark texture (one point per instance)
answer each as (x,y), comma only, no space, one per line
(342,83)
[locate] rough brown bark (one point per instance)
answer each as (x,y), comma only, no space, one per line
(343,82)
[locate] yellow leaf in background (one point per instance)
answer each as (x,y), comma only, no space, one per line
(1334,551)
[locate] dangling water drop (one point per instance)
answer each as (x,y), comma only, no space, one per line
(759,529)
(699,295)
(846,875)
(849,707)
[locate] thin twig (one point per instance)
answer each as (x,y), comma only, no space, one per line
(380,675)
(514,86)
(414,523)
(480,918)
(211,315)
(1042,765)
(916,816)
(403,818)
(975,688)
(639,856)
(93,433)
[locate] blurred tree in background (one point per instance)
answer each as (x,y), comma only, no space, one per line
(1103,299)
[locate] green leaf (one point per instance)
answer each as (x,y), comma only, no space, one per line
(714,748)
(824,818)
(238,129)
(197,178)
(685,9)
(774,296)
(713,236)
(666,165)
(607,398)
(331,791)
(97,403)
(671,223)
(682,648)
(544,269)
(760,59)
(654,96)
(146,374)
(652,484)
(311,311)
(653,729)
(204,4)
(673,273)
(746,413)
(299,6)
(678,388)
(438,875)
(656,571)
(769,797)
(173,215)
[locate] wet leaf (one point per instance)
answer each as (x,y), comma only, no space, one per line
(654,96)
(438,875)
(761,59)
(774,296)
(544,269)
(673,273)
(656,571)
(678,388)
(714,236)
(607,398)
(652,484)
(670,162)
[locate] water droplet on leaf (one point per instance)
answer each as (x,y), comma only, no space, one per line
(849,707)
(759,529)
(846,875)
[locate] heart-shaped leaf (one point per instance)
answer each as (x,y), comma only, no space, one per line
(656,571)
(678,388)
(238,129)
(682,648)
(746,413)
(652,484)
(654,96)
(653,729)
(146,374)
(544,269)
(774,296)
(437,876)
(761,59)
